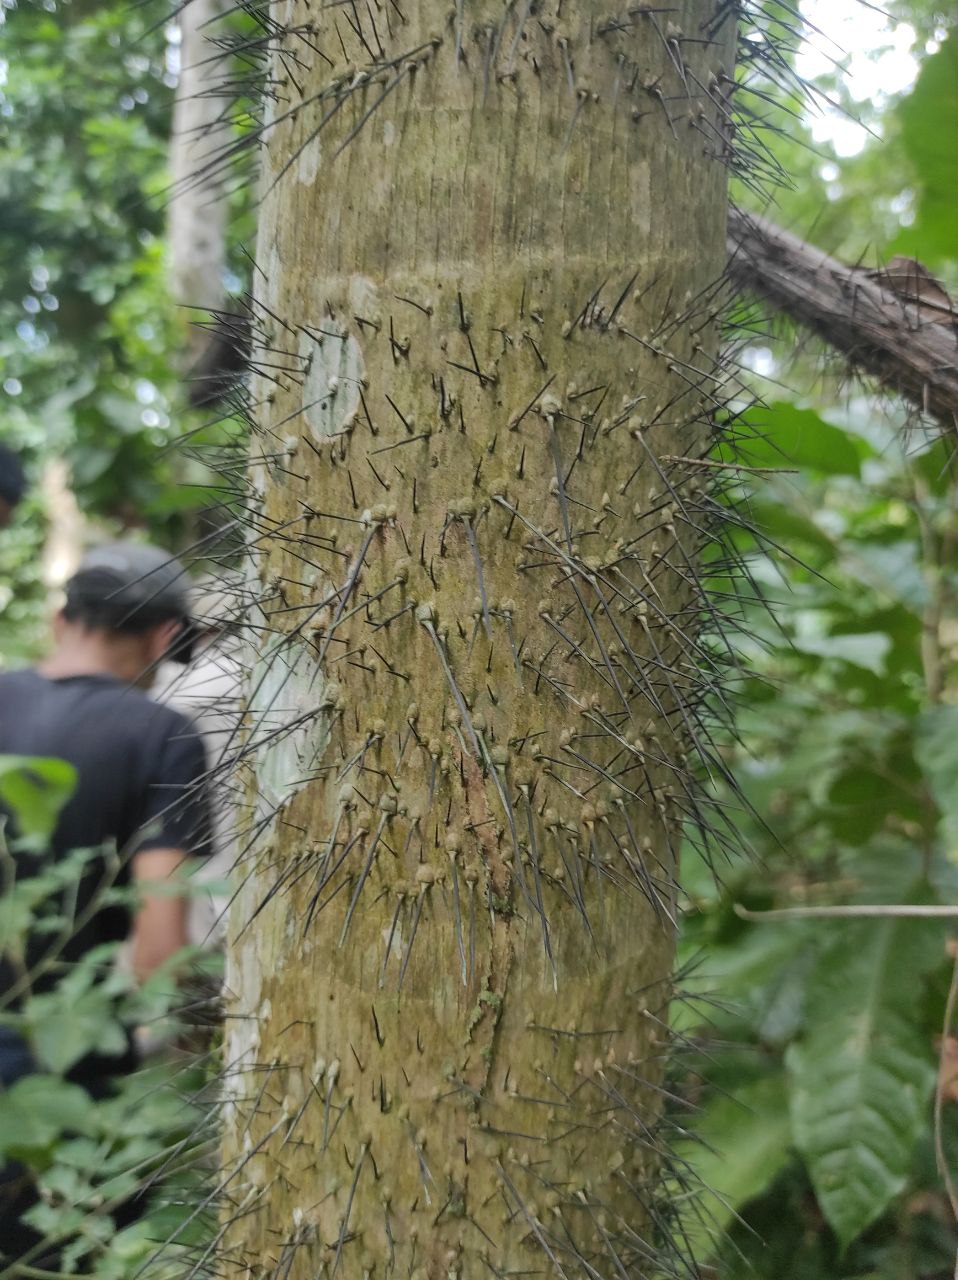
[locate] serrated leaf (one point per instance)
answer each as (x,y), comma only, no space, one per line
(745,1146)
(862,1076)
(69,1022)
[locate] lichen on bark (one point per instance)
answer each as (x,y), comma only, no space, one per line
(483,319)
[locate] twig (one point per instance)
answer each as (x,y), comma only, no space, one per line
(837,913)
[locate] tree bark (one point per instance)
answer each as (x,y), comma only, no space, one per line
(897,325)
(484,312)
(198,211)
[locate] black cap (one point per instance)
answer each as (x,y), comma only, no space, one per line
(13,483)
(138,586)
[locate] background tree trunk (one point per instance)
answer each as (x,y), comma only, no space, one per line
(67,530)
(484,313)
(198,208)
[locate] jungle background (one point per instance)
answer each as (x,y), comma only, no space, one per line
(803,1043)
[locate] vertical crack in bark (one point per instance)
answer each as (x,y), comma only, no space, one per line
(485,1020)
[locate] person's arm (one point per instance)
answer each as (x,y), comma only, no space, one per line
(159,927)
(176,827)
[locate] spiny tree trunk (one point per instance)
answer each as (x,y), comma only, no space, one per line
(483,317)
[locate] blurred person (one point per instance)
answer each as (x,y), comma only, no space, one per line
(13,484)
(207,691)
(141,793)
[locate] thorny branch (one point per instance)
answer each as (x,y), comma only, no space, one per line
(896,324)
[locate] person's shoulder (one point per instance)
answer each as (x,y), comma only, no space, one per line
(23,683)
(24,675)
(138,708)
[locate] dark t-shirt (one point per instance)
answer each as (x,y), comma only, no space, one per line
(141,785)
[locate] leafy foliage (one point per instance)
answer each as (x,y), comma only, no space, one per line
(821,1057)
(936,749)
(91,1160)
(89,334)
(848,762)
(743,1147)
(861,1076)
(35,790)
(929,119)
(87,329)
(22,590)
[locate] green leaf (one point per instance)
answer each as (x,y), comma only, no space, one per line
(929,126)
(793,437)
(892,568)
(37,1109)
(746,1140)
(35,789)
(55,1221)
(66,1024)
(867,650)
(758,976)
(862,1076)
(789,528)
(936,750)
